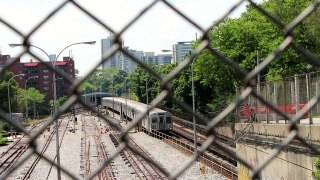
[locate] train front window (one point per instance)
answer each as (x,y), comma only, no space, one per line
(168,120)
(154,120)
(161,119)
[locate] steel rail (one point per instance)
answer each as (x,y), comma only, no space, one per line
(38,158)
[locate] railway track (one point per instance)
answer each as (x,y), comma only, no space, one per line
(93,152)
(31,168)
(143,169)
(223,164)
(9,157)
(214,158)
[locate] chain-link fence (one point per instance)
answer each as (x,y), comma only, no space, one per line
(289,95)
(271,100)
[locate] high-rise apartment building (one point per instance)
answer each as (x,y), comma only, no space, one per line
(128,64)
(180,50)
(106,44)
(119,60)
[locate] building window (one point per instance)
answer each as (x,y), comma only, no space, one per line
(46,88)
(45,70)
(45,77)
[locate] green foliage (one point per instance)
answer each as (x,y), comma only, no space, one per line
(4,80)
(316,174)
(34,96)
(3,141)
(60,101)
(106,80)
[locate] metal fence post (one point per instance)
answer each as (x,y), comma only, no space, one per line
(266,96)
(258,103)
(308,97)
(285,98)
(296,84)
(317,92)
(275,101)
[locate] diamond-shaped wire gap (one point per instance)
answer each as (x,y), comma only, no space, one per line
(150,161)
(52,67)
(11,27)
(212,141)
(10,62)
(155,28)
(224,16)
(301,17)
(184,63)
(94,18)
(269,105)
(267,14)
(106,57)
(6,118)
(63,108)
(215,121)
(308,55)
(311,104)
(49,161)
(156,101)
(45,20)
(15,166)
(182,15)
(283,46)
(122,146)
(76,31)
(105,118)
(111,10)
(226,61)
(144,65)
(257,170)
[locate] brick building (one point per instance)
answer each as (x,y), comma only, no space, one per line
(44,82)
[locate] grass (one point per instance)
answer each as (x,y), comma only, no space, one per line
(3,141)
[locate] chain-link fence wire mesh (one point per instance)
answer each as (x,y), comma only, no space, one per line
(248,78)
(288,94)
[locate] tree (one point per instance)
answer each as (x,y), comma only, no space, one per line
(5,76)
(35,98)
(59,102)
(241,39)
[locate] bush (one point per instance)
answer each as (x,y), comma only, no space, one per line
(316,174)
(3,141)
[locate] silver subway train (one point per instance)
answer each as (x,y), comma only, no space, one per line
(157,119)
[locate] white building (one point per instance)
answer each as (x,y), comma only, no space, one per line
(126,63)
(180,50)
(106,44)
(160,59)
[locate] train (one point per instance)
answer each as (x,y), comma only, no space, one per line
(157,119)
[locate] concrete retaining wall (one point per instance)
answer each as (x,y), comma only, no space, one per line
(259,142)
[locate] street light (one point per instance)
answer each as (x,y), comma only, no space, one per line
(9,95)
(25,88)
(55,92)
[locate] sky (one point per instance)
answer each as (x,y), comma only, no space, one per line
(158,29)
